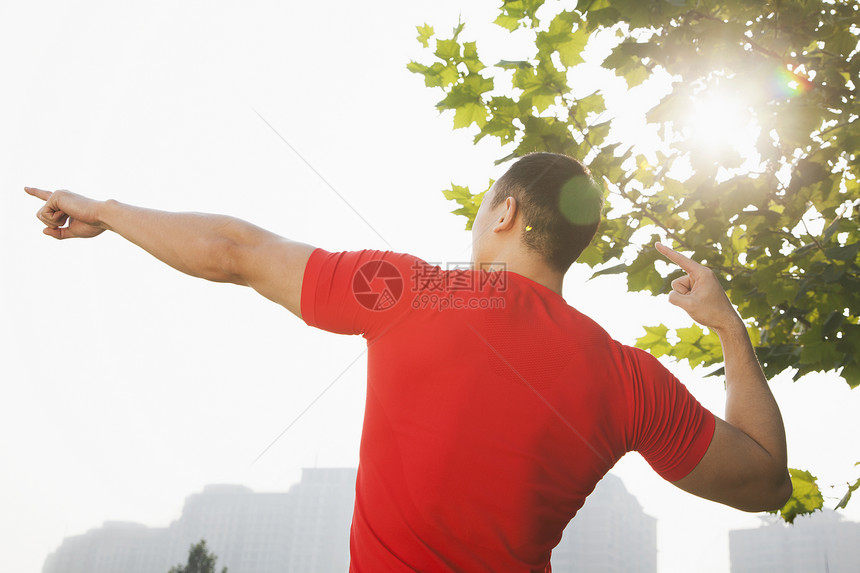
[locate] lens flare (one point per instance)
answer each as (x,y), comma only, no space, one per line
(785,84)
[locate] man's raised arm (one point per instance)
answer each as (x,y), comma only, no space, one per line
(746,464)
(214,247)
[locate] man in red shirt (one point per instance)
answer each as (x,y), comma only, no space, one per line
(493,407)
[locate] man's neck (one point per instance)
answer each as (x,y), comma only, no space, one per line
(527,265)
(550,279)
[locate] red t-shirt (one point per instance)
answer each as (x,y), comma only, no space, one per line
(493,409)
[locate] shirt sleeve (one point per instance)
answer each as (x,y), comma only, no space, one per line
(356,292)
(669,427)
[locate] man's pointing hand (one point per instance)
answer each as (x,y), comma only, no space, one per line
(63,207)
(699,293)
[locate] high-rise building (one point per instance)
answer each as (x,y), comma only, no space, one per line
(321,515)
(249,532)
(821,542)
(307,530)
(610,534)
(116,546)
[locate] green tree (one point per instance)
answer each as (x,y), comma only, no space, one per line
(779,222)
(199,561)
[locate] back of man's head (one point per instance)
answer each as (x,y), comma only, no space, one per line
(559,203)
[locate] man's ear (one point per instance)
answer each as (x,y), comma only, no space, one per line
(506,219)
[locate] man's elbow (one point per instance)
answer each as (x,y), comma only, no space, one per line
(783,492)
(227,258)
(774,495)
(226,254)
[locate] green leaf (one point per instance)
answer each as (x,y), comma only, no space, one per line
(514,65)
(417,67)
(642,275)
(457,29)
(457,193)
(655,341)
(851,373)
(515,12)
(509,23)
(447,50)
(469,203)
(503,110)
(467,91)
(593,254)
(587,5)
(626,61)
(666,109)
(697,347)
(845,498)
(470,58)
(613,270)
(545,134)
(447,73)
(821,353)
(843,253)
(478,85)
(636,75)
(425,32)
(561,37)
(805,499)
(436,75)
(469,113)
(541,85)
(801,121)
(466,101)
(593,103)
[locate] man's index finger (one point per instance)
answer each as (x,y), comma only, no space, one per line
(683,261)
(40,193)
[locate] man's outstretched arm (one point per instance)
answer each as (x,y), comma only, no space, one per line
(746,464)
(214,247)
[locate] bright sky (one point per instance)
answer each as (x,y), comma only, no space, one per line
(125,386)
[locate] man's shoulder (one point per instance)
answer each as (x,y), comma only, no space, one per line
(388,263)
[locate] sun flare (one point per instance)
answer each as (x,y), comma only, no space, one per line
(719,120)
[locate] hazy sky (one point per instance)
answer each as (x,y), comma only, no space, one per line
(126,386)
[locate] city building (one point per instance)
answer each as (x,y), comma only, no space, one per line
(321,515)
(307,530)
(304,529)
(116,546)
(822,542)
(610,534)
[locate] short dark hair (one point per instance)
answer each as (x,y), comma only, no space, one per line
(560,205)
